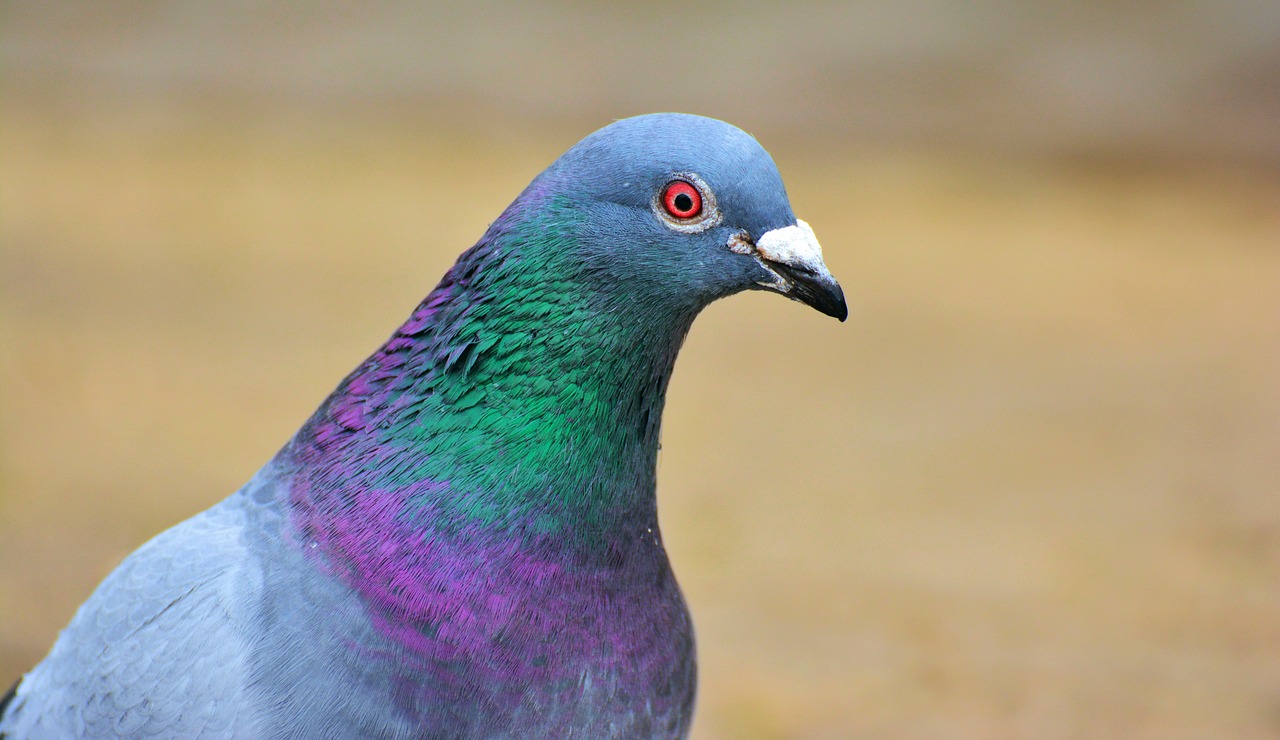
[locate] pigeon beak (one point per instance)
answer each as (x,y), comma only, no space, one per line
(792,256)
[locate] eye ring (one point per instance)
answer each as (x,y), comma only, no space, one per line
(685,203)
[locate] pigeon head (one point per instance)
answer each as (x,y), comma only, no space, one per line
(680,210)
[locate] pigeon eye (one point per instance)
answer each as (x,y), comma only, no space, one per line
(686,204)
(682,200)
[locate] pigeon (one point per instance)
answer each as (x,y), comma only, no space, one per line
(462,541)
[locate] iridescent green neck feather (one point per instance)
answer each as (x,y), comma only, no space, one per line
(525,385)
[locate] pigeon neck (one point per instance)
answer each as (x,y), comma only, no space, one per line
(511,398)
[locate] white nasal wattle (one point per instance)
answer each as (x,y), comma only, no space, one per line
(793,245)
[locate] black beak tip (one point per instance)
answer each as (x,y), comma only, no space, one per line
(824,295)
(835,305)
(842,312)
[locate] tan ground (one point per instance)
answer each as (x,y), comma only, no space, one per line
(1031,489)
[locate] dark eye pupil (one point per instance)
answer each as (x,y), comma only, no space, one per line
(683,202)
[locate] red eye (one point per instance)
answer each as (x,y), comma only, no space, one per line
(682,200)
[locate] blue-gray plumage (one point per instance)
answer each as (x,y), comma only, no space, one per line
(463,540)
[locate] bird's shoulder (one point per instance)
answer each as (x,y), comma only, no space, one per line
(154,651)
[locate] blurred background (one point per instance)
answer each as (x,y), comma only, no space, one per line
(1030,489)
